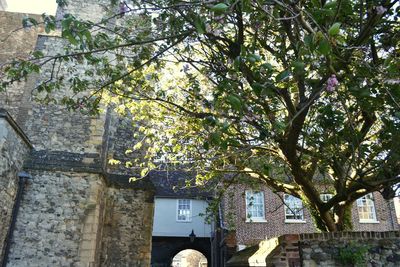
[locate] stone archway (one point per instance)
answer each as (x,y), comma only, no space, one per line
(164,249)
(189,258)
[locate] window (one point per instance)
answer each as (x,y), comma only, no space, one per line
(184,210)
(255,210)
(293,209)
(325,197)
(366,208)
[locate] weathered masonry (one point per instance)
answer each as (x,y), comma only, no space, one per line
(323,249)
(61,204)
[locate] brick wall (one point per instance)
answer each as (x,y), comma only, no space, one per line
(251,232)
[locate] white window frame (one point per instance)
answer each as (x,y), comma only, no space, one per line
(298,208)
(325,197)
(367,204)
(189,216)
(249,196)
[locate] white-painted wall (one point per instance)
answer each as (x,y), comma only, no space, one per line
(166,224)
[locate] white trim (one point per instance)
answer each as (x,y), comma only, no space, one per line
(240,247)
(301,210)
(325,197)
(369,221)
(255,219)
(294,221)
(360,204)
(177,211)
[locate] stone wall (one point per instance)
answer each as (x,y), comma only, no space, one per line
(73,211)
(127,228)
(52,222)
(14,148)
(16,42)
(329,249)
(92,10)
(370,249)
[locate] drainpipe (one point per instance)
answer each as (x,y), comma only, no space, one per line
(23,177)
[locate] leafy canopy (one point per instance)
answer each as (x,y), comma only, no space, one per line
(302,96)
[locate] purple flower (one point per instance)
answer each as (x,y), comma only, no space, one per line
(380,10)
(123,8)
(331,83)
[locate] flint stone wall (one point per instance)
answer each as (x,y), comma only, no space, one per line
(127,228)
(375,249)
(14,148)
(51,228)
(16,42)
(382,248)
(73,211)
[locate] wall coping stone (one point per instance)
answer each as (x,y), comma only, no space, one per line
(46,160)
(4,114)
(63,161)
(350,235)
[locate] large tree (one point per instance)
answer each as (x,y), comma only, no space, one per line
(302,96)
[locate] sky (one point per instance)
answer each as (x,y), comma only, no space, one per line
(32,6)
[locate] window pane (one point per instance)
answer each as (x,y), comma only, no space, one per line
(326,197)
(293,208)
(366,208)
(184,210)
(255,205)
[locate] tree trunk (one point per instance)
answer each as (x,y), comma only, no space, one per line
(327,221)
(344,220)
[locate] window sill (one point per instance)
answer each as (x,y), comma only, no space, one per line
(372,221)
(256,220)
(184,221)
(295,221)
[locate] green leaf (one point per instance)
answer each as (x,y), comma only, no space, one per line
(144,172)
(257,88)
(235,102)
(200,26)
(206,145)
(220,8)
(298,67)
(210,120)
(253,58)
(28,22)
(215,138)
(334,29)
(282,76)
(331,4)
(324,47)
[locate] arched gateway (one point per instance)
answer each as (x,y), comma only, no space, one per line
(165,248)
(178,221)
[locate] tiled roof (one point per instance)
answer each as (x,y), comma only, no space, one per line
(178,184)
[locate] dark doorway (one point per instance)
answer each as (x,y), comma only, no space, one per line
(164,249)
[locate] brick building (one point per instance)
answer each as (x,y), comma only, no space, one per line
(261,214)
